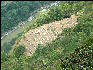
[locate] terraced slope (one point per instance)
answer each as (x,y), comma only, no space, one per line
(45,34)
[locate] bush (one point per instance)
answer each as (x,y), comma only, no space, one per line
(81,58)
(19,51)
(4,57)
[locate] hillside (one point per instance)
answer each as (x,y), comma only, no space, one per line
(61,38)
(15,10)
(7,41)
(45,34)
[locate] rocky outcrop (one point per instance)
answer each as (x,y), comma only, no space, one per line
(45,34)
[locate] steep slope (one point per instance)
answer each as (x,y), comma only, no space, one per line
(45,34)
(72,49)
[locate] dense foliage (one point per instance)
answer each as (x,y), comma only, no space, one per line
(64,10)
(48,57)
(58,13)
(61,53)
(81,59)
(19,51)
(12,13)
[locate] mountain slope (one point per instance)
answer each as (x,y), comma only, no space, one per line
(45,34)
(56,55)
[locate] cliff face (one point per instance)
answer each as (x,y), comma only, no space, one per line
(45,34)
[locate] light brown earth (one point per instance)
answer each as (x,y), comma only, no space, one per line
(45,34)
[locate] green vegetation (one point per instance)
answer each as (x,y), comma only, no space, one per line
(72,51)
(63,10)
(81,58)
(12,13)
(8,41)
(57,13)
(48,57)
(15,36)
(19,51)
(7,46)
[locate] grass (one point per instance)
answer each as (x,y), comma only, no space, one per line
(16,32)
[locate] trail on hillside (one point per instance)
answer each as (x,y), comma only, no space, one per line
(45,34)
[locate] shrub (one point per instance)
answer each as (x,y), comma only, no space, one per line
(19,51)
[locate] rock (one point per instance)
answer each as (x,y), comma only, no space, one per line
(45,34)
(30,43)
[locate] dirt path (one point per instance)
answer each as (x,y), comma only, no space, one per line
(45,34)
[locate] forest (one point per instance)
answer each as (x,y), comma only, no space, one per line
(12,13)
(73,51)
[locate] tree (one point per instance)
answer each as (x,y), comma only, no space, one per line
(4,57)
(19,51)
